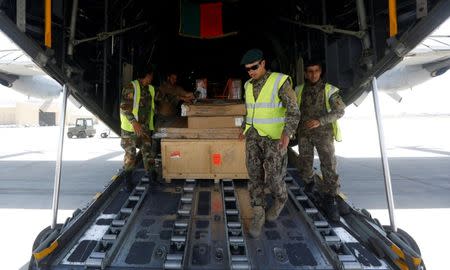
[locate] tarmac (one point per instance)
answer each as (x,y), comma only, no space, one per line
(417,146)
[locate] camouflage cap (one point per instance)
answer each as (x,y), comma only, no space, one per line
(251,56)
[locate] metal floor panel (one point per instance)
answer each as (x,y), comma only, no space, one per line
(207,246)
(148,238)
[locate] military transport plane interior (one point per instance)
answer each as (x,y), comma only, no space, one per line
(93,48)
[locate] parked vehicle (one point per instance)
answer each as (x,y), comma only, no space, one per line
(84,127)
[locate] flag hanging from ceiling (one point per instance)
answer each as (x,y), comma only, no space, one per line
(202,20)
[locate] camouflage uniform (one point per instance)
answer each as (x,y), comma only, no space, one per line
(313,107)
(266,164)
(129,140)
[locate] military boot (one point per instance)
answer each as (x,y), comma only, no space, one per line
(257,222)
(128,180)
(309,187)
(331,208)
(309,184)
(274,211)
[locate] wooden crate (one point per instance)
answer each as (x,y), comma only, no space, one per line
(215,121)
(199,133)
(203,159)
(214,108)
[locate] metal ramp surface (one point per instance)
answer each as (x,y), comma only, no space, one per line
(196,224)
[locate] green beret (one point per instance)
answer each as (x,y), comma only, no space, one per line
(251,56)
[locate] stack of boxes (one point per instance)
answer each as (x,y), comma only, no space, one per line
(209,115)
(208,147)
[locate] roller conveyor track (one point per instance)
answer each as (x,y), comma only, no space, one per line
(175,257)
(335,248)
(343,249)
(110,234)
(237,247)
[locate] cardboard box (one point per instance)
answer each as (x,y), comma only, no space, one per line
(215,122)
(212,108)
(203,159)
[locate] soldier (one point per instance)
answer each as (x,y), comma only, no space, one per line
(137,109)
(272,117)
(320,107)
(168,96)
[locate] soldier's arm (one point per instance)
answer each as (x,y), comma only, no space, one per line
(289,101)
(179,91)
(126,102)
(337,110)
(183,94)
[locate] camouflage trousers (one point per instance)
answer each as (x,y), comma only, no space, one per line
(266,166)
(324,144)
(129,143)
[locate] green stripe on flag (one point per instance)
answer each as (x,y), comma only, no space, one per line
(189,18)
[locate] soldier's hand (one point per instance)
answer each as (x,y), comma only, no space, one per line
(310,124)
(241,135)
(137,129)
(284,142)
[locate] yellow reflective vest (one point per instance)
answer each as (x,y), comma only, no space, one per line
(266,114)
(125,124)
(329,91)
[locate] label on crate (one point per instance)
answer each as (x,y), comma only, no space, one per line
(175,154)
(238,121)
(184,110)
(217,159)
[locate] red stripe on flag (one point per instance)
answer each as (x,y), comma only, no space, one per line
(211,20)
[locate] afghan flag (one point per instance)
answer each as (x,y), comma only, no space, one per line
(202,20)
